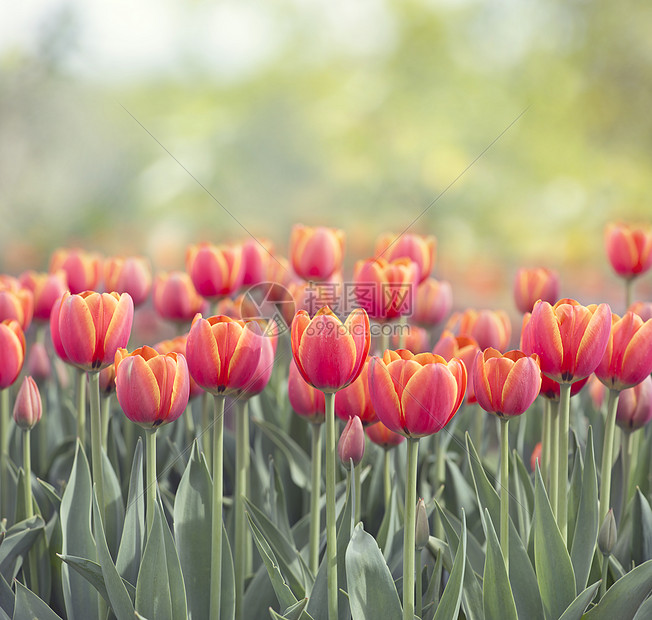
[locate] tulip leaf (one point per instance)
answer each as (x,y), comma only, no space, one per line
(175,575)
(497,598)
(114,511)
(641,528)
(80,597)
(574,495)
(576,609)
(118,598)
(133,532)
(586,524)
(19,538)
(372,593)
(29,606)
(553,564)
(296,612)
(7,598)
(192,528)
(523,579)
(623,599)
(485,491)
(92,573)
(449,605)
(645,610)
(389,526)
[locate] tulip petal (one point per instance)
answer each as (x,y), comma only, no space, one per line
(119,325)
(521,386)
(202,355)
(137,390)
(637,359)
(546,339)
(594,342)
(77,331)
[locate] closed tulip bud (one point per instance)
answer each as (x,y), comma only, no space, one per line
(608,534)
(256,255)
(305,400)
(46,289)
(351,444)
(629,249)
(216,271)
(635,406)
(422,527)
(175,297)
(530,285)
(12,346)
(489,328)
(316,253)
(379,434)
(28,407)
(418,248)
(82,269)
(433,302)
(38,363)
(131,275)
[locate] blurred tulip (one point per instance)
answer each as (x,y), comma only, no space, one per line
(223,353)
(416,338)
(46,289)
(551,390)
(152,389)
(379,434)
(316,253)
(175,297)
(536,456)
(433,302)
(351,443)
(38,363)
(330,354)
(629,249)
(230,307)
(463,347)
(570,339)
(489,328)
(418,248)
(131,275)
(635,406)
(90,327)
(530,285)
(354,400)
(385,289)
(506,385)
(16,302)
(416,395)
(305,400)
(263,372)
(107,380)
(28,406)
(597,391)
(12,346)
(216,271)
(627,359)
(256,254)
(178,345)
(642,308)
(83,269)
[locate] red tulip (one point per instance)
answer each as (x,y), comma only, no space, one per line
(506,385)
(152,389)
(570,339)
(433,302)
(223,353)
(306,400)
(350,447)
(330,354)
(379,434)
(635,406)
(354,400)
(255,258)
(463,347)
(316,253)
(178,345)
(90,327)
(131,275)
(12,349)
(175,297)
(83,269)
(216,271)
(629,249)
(416,395)
(489,328)
(46,289)
(385,290)
(28,406)
(263,371)
(16,302)
(627,359)
(530,285)
(418,248)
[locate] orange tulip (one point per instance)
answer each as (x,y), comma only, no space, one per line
(175,297)
(433,302)
(418,248)
(489,328)
(131,275)
(216,271)
(316,253)
(379,434)
(46,289)
(354,400)
(629,249)
(463,347)
(530,285)
(305,400)
(12,348)
(16,302)
(83,269)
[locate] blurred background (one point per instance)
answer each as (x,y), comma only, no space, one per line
(512,130)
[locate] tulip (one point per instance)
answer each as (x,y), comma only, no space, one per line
(12,346)
(433,302)
(46,289)
(131,275)
(635,406)
(418,248)
(305,400)
(16,302)
(530,285)
(28,407)
(216,271)
(379,434)
(316,253)
(175,297)
(642,308)
(536,456)
(355,401)
(350,447)
(256,254)
(178,345)
(83,269)
(38,363)
(488,328)
(463,347)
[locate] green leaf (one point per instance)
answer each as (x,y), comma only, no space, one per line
(449,605)
(372,593)
(192,530)
(553,564)
(574,493)
(19,538)
(577,608)
(389,526)
(80,597)
(29,606)
(487,497)
(523,579)
(92,573)
(641,528)
(7,598)
(644,611)
(114,513)
(497,598)
(624,597)
(175,575)
(586,525)
(118,597)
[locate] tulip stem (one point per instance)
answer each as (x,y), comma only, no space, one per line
(419,571)
(387,477)
(32,559)
(629,292)
(315,493)
(80,391)
(409,528)
(626,449)
(241,465)
(106,409)
(562,483)
(546,439)
(96,438)
(356,473)
(4,425)
(331,528)
(205,426)
(504,490)
(553,474)
(607,453)
(150,472)
(217,517)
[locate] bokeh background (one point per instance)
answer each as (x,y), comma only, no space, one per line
(529,119)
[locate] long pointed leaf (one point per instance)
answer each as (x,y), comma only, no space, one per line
(449,605)
(497,598)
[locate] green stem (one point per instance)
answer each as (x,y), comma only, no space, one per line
(605,575)
(241,466)
(205,425)
(150,472)
(387,477)
(607,454)
(32,559)
(4,449)
(331,529)
(106,410)
(96,438)
(217,517)
(419,572)
(546,438)
(554,459)
(562,484)
(629,292)
(315,493)
(479,429)
(409,528)
(504,491)
(357,483)
(80,391)
(626,449)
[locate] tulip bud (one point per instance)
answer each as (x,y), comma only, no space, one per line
(422,528)
(27,408)
(608,535)
(351,443)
